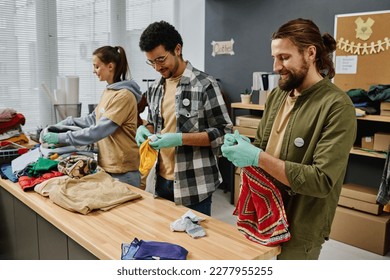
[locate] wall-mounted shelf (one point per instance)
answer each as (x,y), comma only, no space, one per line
(251,132)
(375,118)
(367,153)
(239,105)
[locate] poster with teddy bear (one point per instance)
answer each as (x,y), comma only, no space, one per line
(362,56)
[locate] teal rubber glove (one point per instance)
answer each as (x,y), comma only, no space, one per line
(230,139)
(239,151)
(167,140)
(142,134)
(51,138)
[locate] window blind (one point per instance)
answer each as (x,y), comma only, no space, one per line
(43,39)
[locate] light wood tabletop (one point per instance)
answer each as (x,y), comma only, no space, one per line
(147,218)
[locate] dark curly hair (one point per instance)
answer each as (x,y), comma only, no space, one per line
(160,33)
(304,33)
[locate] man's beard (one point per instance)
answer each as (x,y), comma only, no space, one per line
(174,70)
(294,80)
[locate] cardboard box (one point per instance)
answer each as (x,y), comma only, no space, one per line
(362,230)
(359,205)
(248,121)
(360,198)
(385,108)
(368,142)
(246,131)
(359,192)
(381,141)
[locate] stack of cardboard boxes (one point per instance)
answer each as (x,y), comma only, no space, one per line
(247,125)
(360,221)
(385,108)
(379,141)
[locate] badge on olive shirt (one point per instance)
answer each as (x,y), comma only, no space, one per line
(299,142)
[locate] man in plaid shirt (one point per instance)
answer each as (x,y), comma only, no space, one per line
(188,114)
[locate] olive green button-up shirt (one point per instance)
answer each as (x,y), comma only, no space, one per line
(316,145)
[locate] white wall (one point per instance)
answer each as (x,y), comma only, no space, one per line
(191,25)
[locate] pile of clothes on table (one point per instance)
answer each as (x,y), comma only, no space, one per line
(69,176)
(11,123)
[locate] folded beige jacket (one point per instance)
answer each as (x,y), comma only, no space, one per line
(91,192)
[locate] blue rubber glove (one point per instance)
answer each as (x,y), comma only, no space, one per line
(239,151)
(142,134)
(51,138)
(167,140)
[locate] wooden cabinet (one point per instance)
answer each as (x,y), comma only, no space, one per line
(25,235)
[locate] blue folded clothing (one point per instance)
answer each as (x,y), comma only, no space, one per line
(152,250)
(6,169)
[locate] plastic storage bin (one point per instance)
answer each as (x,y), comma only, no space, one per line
(10,151)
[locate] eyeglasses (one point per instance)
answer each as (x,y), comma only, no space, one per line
(158,60)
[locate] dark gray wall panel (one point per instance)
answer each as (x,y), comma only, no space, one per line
(251,23)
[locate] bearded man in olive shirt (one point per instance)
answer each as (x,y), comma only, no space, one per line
(304,138)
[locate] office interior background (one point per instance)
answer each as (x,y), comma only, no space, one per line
(43,39)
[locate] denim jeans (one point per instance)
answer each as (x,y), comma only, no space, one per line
(164,189)
(132,178)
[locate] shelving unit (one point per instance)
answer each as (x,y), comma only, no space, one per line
(239,105)
(368,120)
(367,153)
(375,118)
(373,122)
(249,132)
(354,150)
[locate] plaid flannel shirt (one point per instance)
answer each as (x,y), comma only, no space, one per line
(199,107)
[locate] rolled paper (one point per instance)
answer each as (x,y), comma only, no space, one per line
(72,95)
(61,81)
(72,89)
(60,101)
(60,96)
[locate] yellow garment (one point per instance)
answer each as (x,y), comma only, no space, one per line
(148,157)
(166,160)
(279,127)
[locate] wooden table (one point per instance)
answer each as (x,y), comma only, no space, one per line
(148,218)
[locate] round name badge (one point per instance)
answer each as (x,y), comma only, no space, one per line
(299,142)
(186,102)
